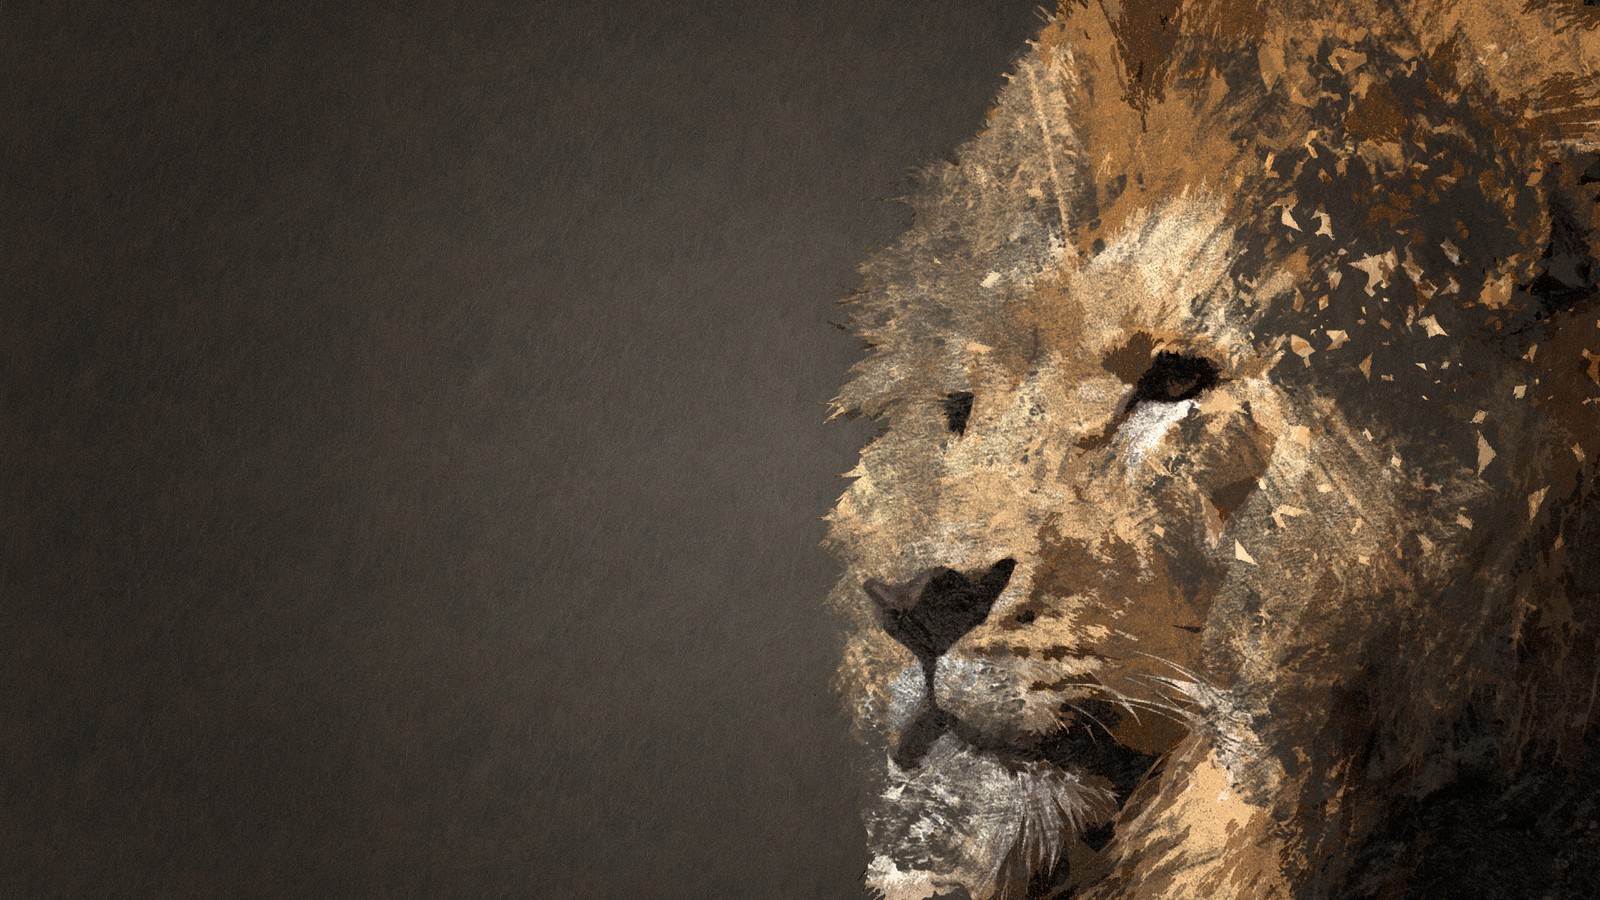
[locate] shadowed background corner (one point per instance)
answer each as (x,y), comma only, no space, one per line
(412,419)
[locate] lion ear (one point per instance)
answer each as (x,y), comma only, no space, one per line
(1540,61)
(1145,34)
(1565,315)
(1539,58)
(1099,56)
(1566,362)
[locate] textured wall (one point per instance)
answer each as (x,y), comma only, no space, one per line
(412,433)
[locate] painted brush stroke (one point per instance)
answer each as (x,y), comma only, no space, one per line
(1233,532)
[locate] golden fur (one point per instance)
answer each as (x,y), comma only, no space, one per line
(1304,593)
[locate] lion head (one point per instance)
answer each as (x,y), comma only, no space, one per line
(1241,385)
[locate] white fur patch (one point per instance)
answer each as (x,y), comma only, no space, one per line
(1145,427)
(966,818)
(908,695)
(895,884)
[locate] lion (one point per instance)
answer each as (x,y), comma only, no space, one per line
(1232,528)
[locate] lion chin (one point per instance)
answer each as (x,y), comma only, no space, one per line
(967,819)
(971,823)
(1231,529)
(1012,812)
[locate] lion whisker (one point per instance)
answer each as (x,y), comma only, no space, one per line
(1176,714)
(1076,708)
(1177,689)
(1185,672)
(1168,710)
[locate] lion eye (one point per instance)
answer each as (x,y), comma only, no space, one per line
(957,407)
(1173,377)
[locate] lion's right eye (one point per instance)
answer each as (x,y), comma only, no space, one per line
(1173,377)
(957,407)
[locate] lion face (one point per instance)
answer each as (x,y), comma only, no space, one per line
(1080,482)
(1204,514)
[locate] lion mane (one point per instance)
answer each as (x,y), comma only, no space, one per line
(1232,531)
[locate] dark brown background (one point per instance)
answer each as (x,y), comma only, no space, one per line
(412,424)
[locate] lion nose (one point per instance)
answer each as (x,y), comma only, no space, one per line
(932,611)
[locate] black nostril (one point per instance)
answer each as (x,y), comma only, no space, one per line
(932,611)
